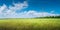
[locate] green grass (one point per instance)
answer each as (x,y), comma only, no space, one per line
(30,24)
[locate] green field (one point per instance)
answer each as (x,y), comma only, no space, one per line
(30,24)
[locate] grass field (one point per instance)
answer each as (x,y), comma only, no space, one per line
(30,24)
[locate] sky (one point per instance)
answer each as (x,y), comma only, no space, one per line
(29,8)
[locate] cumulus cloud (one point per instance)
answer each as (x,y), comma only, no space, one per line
(18,6)
(2,8)
(32,14)
(10,12)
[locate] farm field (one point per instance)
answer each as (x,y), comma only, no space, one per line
(30,24)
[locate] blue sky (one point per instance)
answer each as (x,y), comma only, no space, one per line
(46,5)
(29,8)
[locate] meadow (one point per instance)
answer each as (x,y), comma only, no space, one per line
(30,24)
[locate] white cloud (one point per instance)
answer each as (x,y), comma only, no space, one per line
(18,6)
(38,14)
(2,8)
(10,12)
(32,14)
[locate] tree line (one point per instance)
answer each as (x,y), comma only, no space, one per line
(49,17)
